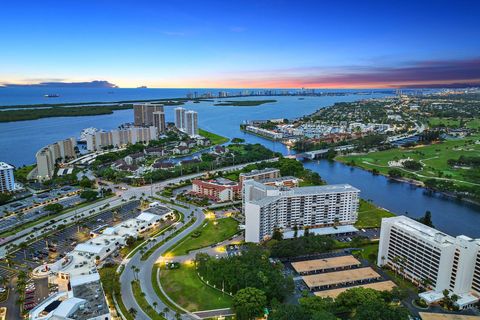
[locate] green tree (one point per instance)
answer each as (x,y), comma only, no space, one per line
(381,311)
(249,303)
(426,219)
(86,183)
(54,208)
(277,234)
(89,195)
(5,197)
(395,173)
(290,312)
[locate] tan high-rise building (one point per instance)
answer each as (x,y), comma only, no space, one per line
(143,113)
(48,156)
(159,121)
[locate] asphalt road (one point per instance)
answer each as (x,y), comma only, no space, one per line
(146,269)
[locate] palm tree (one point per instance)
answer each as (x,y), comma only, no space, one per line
(132,311)
(177,315)
(134,269)
(166,310)
(155,304)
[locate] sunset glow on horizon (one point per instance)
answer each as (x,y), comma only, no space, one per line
(242,44)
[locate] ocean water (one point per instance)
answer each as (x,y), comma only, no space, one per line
(36,95)
(20,140)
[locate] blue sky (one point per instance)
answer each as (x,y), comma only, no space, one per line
(241,43)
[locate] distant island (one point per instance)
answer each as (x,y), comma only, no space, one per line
(90,84)
(244,103)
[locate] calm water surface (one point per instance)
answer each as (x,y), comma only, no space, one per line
(20,140)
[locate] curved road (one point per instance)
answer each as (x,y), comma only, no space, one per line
(146,269)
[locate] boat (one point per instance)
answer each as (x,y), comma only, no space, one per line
(86,132)
(51,95)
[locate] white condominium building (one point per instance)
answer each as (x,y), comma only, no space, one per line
(180,118)
(118,138)
(186,121)
(7,181)
(269,207)
(191,123)
(48,156)
(143,113)
(432,259)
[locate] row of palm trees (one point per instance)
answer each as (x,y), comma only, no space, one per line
(150,243)
(164,313)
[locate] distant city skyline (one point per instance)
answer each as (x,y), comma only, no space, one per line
(242,44)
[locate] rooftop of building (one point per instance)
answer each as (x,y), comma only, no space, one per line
(379,286)
(89,289)
(4,165)
(279,179)
(445,316)
(298,191)
(219,181)
(326,263)
(256,172)
(323,231)
(340,277)
(331,188)
(420,230)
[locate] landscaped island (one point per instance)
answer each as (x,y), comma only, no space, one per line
(244,103)
(38,111)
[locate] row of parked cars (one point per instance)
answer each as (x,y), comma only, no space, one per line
(30,302)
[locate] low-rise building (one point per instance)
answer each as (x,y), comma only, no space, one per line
(287,181)
(219,189)
(264,132)
(80,294)
(257,175)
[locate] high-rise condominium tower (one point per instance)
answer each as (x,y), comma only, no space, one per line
(191,123)
(180,118)
(7,181)
(159,121)
(143,113)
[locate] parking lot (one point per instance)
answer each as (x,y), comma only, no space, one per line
(36,199)
(63,241)
(38,211)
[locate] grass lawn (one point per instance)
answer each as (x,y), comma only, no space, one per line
(434,157)
(370,216)
(214,138)
(185,287)
(158,291)
(454,122)
(368,252)
(210,232)
(143,303)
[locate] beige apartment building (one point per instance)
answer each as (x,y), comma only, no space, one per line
(48,156)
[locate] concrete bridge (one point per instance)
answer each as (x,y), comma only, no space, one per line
(316,154)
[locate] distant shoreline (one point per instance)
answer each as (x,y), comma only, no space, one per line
(244,103)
